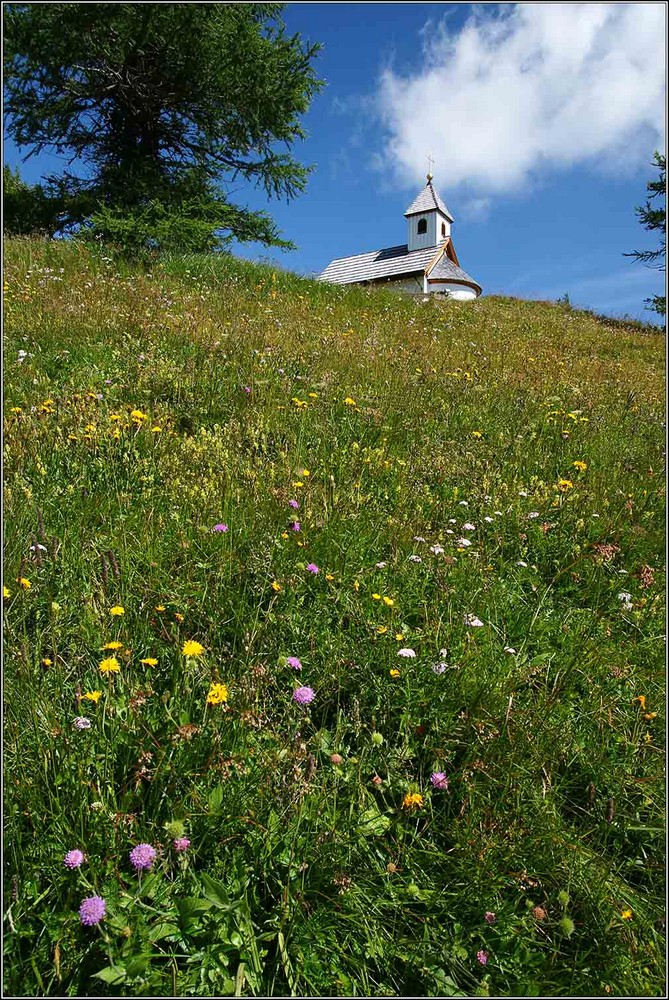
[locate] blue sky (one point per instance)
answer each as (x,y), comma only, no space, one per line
(542,120)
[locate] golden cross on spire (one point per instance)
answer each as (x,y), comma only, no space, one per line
(430,164)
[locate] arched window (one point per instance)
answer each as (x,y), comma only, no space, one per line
(443,229)
(422,226)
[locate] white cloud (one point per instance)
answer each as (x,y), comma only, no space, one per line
(527,88)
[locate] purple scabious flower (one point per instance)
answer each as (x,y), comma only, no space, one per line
(439,780)
(142,856)
(312,568)
(220,527)
(294,504)
(304,695)
(292,661)
(92,910)
(490,918)
(81,722)
(482,957)
(296,526)
(181,844)
(409,654)
(73,859)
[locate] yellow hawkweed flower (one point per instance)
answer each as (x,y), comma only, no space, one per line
(150,661)
(565,484)
(115,416)
(388,601)
(218,693)
(412,800)
(192,648)
(399,636)
(112,645)
(581,466)
(284,534)
(93,696)
(25,583)
(394,672)
(650,715)
(137,415)
(110,666)
(117,610)
(313,395)
(276,587)
(376,597)
(298,484)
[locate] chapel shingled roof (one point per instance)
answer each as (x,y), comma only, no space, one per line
(427,201)
(377,264)
(446,270)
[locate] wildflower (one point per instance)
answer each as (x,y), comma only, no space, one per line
(409,654)
(439,780)
(471,621)
(376,780)
(412,800)
(489,917)
(160,607)
(81,722)
(304,695)
(626,914)
(394,672)
(220,527)
(399,637)
(142,857)
(439,668)
(482,956)
(388,601)
(376,597)
(298,484)
(113,645)
(296,526)
(510,650)
(418,538)
(294,504)
(292,661)
(73,859)
(381,630)
(437,550)
(532,514)
(276,586)
(25,583)
(93,696)
(415,559)
(149,661)
(336,758)
(110,665)
(488,519)
(463,543)
(565,484)
(642,701)
(356,585)
(218,693)
(581,466)
(117,610)
(349,401)
(649,716)
(6,592)
(522,563)
(192,648)
(463,503)
(312,568)
(377,739)
(477,434)
(181,844)
(625,599)
(329,576)
(137,415)
(92,910)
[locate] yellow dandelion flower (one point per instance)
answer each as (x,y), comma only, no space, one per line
(15,409)
(276,587)
(115,416)
(137,415)
(192,648)
(93,696)
(6,592)
(150,661)
(25,583)
(113,645)
(412,800)
(110,666)
(117,610)
(394,672)
(581,466)
(218,693)
(565,484)
(388,601)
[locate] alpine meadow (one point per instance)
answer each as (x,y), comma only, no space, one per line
(334,654)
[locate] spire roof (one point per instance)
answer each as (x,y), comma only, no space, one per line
(427,201)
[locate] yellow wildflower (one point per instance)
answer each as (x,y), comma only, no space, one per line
(115,416)
(399,636)
(284,534)
(47,662)
(156,429)
(329,576)
(376,597)
(565,484)
(388,601)
(581,466)
(160,607)
(313,395)
(178,616)
(117,610)
(350,402)
(137,415)
(150,661)
(299,484)
(412,800)
(650,715)
(381,630)
(6,592)
(394,672)
(642,701)
(305,472)
(218,693)
(356,585)
(110,666)
(626,914)
(112,645)
(93,696)
(477,434)
(192,648)
(15,409)
(276,587)
(25,583)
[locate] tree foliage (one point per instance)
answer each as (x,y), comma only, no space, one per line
(653,218)
(158,106)
(28,208)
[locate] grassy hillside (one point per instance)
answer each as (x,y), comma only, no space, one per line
(224,484)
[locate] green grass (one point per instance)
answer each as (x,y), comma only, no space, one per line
(304,876)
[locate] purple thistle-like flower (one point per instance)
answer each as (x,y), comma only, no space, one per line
(81,722)
(247,389)
(73,859)
(312,568)
(490,918)
(304,695)
(294,504)
(292,661)
(482,957)
(439,780)
(220,527)
(296,526)
(92,910)
(142,856)
(181,844)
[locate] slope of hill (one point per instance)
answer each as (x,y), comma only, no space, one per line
(350,607)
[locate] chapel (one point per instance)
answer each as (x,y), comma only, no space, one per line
(426,264)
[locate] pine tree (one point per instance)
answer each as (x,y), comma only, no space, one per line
(158,106)
(654,218)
